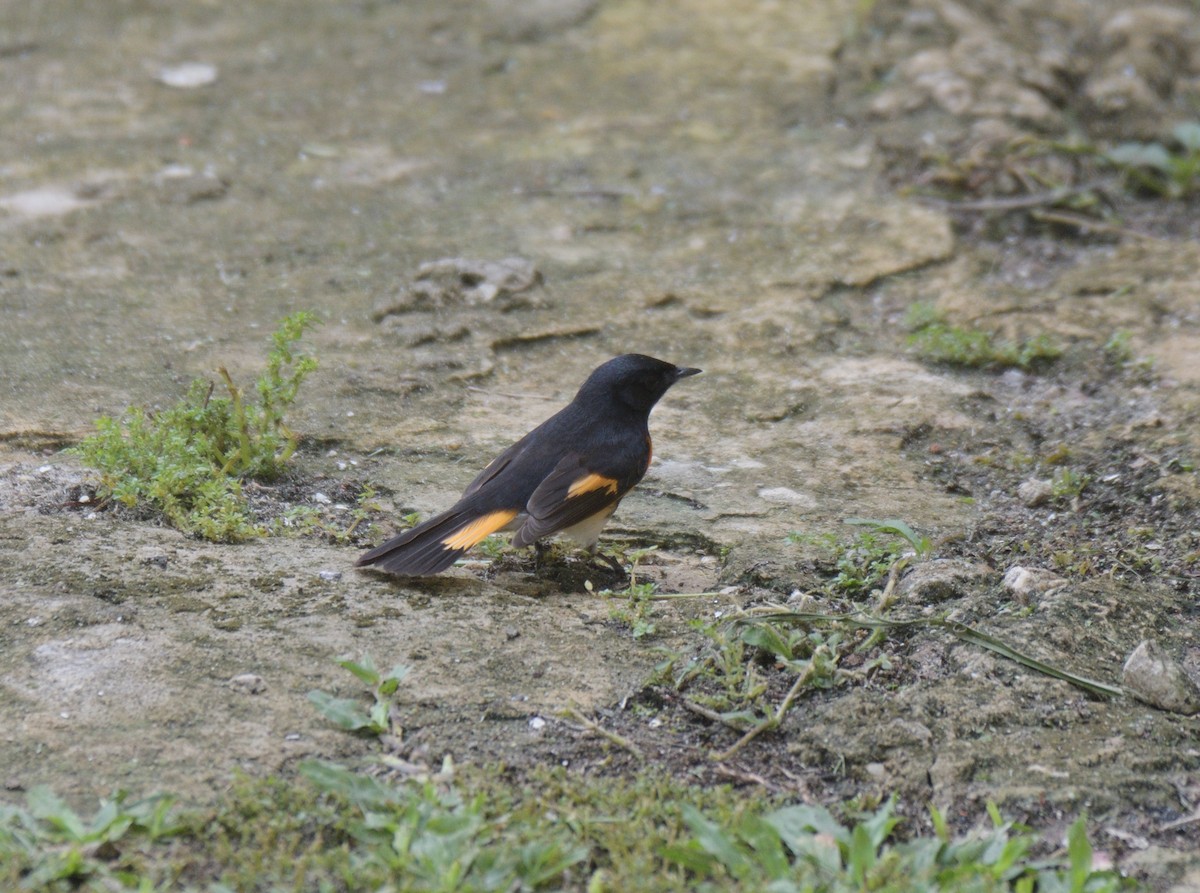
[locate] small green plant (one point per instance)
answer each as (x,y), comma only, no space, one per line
(1068,483)
(46,845)
(1168,169)
(749,659)
(432,838)
(869,557)
(1118,349)
(638,597)
(349,714)
(936,341)
(806,848)
(1119,353)
(188,461)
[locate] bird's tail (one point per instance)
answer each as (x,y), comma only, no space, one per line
(432,547)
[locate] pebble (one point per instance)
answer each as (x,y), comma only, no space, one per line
(248,684)
(1153,677)
(188,75)
(1026,582)
(785,496)
(1035,492)
(45,201)
(330,576)
(537,723)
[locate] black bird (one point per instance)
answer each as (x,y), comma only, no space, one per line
(567,475)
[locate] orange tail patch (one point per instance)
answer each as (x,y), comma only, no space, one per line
(590,482)
(477,530)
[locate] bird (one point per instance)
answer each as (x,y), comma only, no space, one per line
(566,476)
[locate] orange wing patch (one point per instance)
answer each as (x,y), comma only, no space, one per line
(590,482)
(478,529)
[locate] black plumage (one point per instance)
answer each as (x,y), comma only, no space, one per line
(567,475)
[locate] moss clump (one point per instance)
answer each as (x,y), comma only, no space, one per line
(188,461)
(936,341)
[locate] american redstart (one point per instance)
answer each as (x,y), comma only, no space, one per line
(567,475)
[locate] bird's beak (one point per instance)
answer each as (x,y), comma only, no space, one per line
(684,372)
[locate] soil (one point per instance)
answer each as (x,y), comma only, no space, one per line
(485,201)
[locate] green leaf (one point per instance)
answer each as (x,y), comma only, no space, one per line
(44,804)
(689,855)
(1147,155)
(812,834)
(1188,135)
(364,669)
(920,544)
(343,712)
(1079,854)
(718,842)
(940,828)
(860,858)
(392,680)
(768,638)
(362,790)
(764,838)
(879,825)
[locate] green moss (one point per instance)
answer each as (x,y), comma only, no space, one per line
(936,341)
(189,460)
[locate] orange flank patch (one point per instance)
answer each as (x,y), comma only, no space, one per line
(591,482)
(475,532)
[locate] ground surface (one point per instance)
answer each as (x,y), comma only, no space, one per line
(717,186)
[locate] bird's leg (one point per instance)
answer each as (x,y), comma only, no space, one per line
(539,552)
(612,563)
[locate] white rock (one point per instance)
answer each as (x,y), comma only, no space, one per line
(188,75)
(1153,677)
(1034,492)
(248,684)
(1026,582)
(785,496)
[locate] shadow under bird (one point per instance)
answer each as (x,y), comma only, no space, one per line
(567,475)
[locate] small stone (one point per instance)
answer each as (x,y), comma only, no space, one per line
(330,576)
(537,724)
(454,281)
(1034,492)
(248,684)
(1153,677)
(786,496)
(1027,582)
(511,632)
(876,770)
(188,75)
(942,579)
(321,499)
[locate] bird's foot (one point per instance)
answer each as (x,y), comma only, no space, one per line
(620,575)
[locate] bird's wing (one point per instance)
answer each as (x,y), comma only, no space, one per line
(494,467)
(571,493)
